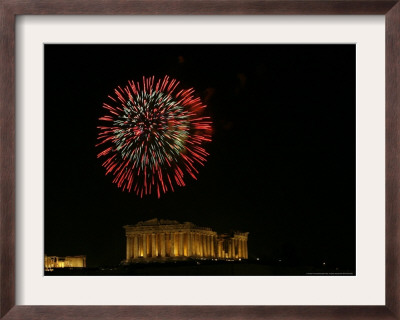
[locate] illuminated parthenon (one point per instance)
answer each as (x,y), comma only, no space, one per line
(169,239)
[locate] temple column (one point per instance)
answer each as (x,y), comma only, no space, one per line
(193,236)
(132,247)
(204,242)
(207,246)
(196,248)
(128,248)
(212,246)
(197,237)
(155,251)
(162,240)
(201,244)
(135,246)
(246,250)
(193,243)
(158,248)
(167,244)
(234,248)
(153,245)
(204,245)
(172,244)
(181,244)
(189,244)
(148,238)
(178,244)
(144,245)
(157,245)
(203,253)
(140,244)
(185,244)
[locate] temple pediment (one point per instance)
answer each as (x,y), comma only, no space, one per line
(157,222)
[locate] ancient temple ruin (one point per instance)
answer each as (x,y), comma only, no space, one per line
(171,240)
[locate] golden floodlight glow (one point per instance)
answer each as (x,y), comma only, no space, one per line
(168,239)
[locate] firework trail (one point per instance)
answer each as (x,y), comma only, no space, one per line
(153,136)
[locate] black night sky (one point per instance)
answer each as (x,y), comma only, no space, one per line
(282,156)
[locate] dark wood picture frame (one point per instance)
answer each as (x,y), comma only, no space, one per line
(9,9)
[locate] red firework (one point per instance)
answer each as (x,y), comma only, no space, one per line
(154,136)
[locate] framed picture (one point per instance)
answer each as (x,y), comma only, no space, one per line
(224,179)
(221,81)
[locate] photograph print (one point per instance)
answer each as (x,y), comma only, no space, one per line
(221,160)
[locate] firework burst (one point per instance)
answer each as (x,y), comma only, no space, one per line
(153,136)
